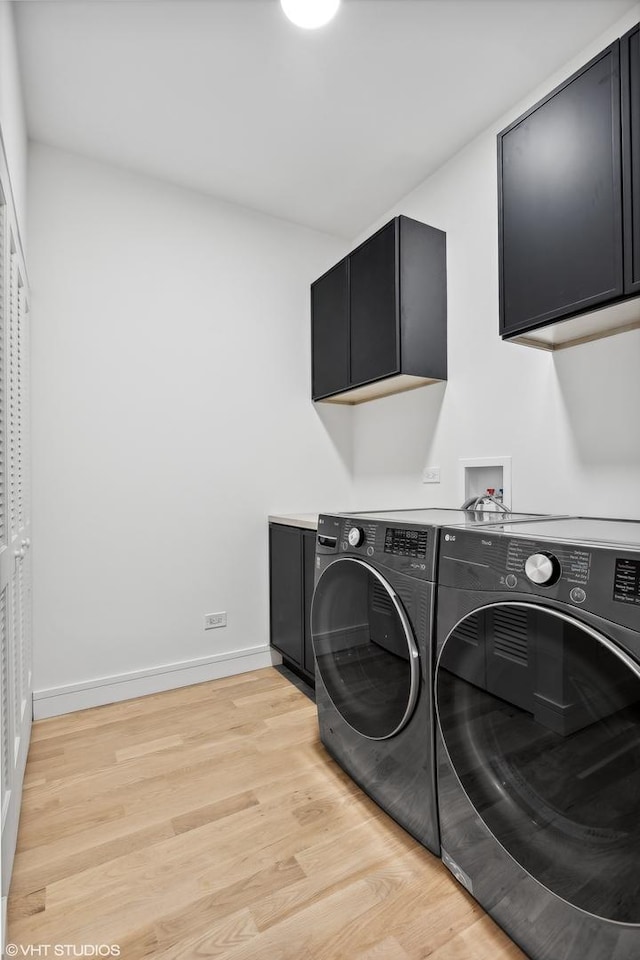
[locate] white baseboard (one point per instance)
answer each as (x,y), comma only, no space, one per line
(94,693)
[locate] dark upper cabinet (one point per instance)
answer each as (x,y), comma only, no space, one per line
(373,294)
(630,73)
(560,202)
(379,318)
(330,310)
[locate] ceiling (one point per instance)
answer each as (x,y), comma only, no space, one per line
(326,128)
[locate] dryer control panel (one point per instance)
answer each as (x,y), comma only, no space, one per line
(406,543)
(602,580)
(408,549)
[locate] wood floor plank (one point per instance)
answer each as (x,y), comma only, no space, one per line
(400,891)
(209,822)
(213,811)
(200,857)
(195,921)
(387,949)
(157,798)
(221,937)
(347,857)
(238,846)
(150,746)
(482,940)
(451,911)
(307,932)
(27,878)
(27,905)
(95,718)
(88,783)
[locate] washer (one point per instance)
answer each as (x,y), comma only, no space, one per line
(371,624)
(537,698)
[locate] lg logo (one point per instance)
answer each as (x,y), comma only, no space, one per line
(450,537)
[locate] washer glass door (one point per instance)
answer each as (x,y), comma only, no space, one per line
(364,647)
(540,718)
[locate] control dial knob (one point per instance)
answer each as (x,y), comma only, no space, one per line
(543,569)
(356,536)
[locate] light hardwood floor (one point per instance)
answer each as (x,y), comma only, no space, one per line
(209,822)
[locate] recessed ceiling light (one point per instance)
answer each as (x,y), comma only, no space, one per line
(310,13)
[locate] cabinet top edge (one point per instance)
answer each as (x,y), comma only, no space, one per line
(611,48)
(304,521)
(397,220)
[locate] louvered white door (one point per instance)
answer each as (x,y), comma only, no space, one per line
(15,541)
(6,713)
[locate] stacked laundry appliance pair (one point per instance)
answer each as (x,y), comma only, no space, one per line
(478,675)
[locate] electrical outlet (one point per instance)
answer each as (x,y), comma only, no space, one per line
(431,475)
(212,620)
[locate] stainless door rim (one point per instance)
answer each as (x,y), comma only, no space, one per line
(574,622)
(408,635)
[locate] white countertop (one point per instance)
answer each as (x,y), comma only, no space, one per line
(307,521)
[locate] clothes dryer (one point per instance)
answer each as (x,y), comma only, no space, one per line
(537,697)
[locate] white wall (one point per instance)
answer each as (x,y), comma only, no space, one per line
(12,122)
(569,420)
(171,415)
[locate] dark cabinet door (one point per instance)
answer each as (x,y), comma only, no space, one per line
(309,553)
(560,201)
(374,307)
(330,331)
(630,69)
(286,585)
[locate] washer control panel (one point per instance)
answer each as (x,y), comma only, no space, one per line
(570,563)
(577,594)
(626,584)
(543,568)
(599,579)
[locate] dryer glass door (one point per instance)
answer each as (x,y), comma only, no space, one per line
(365,651)
(540,718)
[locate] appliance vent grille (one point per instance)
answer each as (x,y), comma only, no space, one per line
(469,630)
(510,635)
(381,601)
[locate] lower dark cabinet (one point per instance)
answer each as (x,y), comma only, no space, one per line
(291,576)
